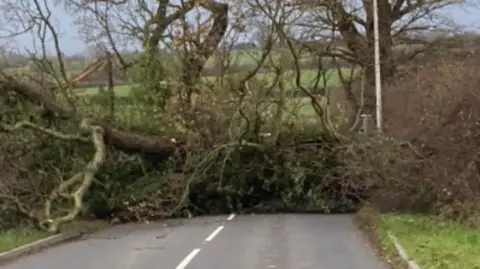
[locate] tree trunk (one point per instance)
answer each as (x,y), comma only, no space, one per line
(126,141)
(197,58)
(387,65)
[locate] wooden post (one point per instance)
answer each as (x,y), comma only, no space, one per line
(110,85)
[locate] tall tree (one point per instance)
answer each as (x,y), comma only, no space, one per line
(353,21)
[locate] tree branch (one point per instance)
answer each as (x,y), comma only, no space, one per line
(86,178)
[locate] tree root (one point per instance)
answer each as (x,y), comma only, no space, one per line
(83,179)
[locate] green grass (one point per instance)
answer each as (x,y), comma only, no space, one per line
(121,90)
(251,57)
(331,78)
(24,70)
(296,109)
(433,243)
(19,237)
(16,238)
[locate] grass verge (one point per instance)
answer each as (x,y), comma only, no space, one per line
(434,243)
(19,237)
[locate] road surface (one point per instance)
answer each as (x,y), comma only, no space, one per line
(223,242)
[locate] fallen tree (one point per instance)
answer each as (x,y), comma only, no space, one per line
(246,145)
(72,189)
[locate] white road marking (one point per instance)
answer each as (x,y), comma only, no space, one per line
(188,259)
(214,233)
(191,255)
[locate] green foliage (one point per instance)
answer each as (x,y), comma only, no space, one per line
(15,109)
(238,179)
(114,186)
(150,76)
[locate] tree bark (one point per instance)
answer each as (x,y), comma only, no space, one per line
(195,60)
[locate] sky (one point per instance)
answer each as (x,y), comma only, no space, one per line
(72,44)
(466,16)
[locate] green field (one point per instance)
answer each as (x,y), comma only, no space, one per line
(297,110)
(121,90)
(248,57)
(309,78)
(252,57)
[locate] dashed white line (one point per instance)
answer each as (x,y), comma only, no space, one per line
(213,234)
(191,255)
(188,259)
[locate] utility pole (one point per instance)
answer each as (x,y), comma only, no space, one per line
(378,78)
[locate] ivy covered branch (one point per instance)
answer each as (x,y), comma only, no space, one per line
(74,188)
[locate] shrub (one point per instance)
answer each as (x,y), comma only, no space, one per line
(436,107)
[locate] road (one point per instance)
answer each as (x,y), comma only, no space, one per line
(225,242)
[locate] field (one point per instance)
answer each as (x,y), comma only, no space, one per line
(248,57)
(309,78)
(251,57)
(72,68)
(297,108)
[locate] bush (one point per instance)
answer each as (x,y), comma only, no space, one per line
(436,107)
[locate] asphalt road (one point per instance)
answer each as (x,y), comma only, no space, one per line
(223,242)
